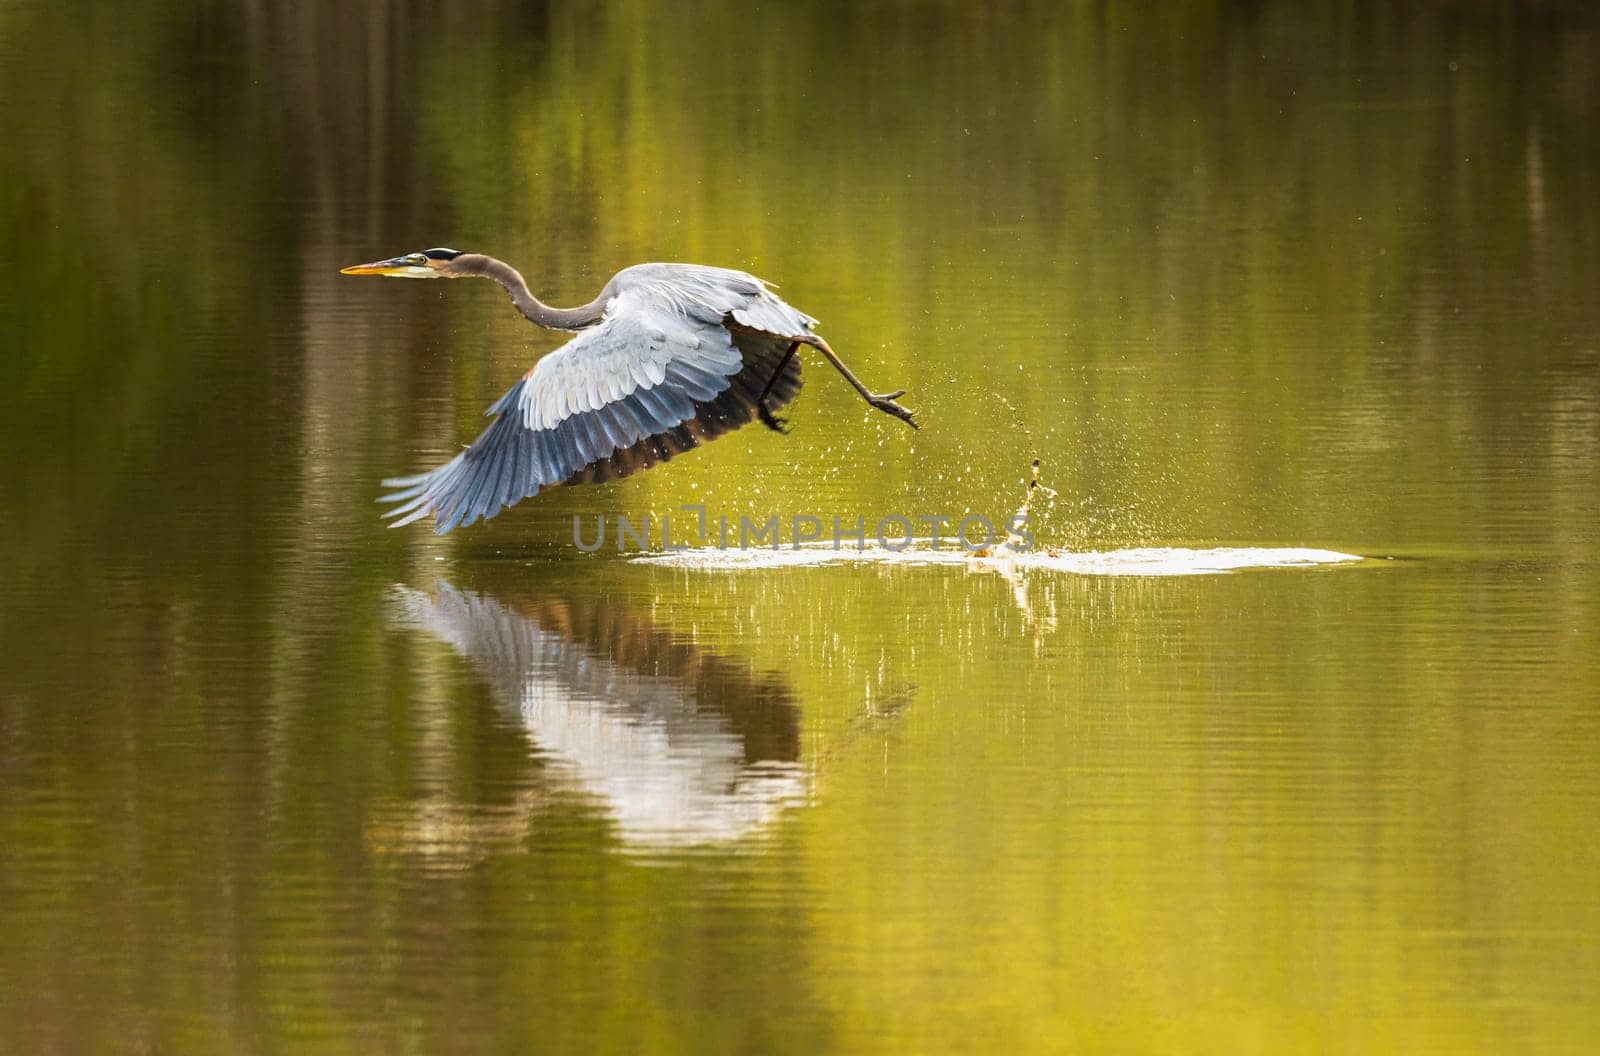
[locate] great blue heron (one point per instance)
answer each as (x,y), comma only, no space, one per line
(667,357)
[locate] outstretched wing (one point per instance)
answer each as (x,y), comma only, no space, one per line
(660,374)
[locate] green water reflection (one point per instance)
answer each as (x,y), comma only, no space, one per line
(1277,274)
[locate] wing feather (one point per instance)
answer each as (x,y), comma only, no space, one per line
(672,364)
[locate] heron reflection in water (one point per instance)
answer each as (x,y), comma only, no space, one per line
(667,357)
(681,745)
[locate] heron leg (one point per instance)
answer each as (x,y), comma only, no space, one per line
(884,402)
(768,419)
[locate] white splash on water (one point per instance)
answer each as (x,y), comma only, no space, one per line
(1010,559)
(1139,561)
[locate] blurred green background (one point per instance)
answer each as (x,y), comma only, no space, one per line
(1272,273)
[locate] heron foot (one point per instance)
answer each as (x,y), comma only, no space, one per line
(772,421)
(885,402)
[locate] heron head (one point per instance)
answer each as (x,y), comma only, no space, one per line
(428,264)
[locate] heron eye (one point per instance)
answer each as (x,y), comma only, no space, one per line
(417,258)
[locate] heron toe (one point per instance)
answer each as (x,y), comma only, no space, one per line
(772,421)
(887,405)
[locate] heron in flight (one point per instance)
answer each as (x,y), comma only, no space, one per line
(667,357)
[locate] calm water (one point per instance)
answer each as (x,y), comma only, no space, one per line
(274,778)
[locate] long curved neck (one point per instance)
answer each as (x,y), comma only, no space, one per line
(535,310)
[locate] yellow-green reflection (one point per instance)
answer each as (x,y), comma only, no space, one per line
(1291,275)
(680,746)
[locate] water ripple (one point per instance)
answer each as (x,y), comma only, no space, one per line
(1138,561)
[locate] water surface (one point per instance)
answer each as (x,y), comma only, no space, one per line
(1302,278)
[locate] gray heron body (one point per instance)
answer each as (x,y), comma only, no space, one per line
(667,357)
